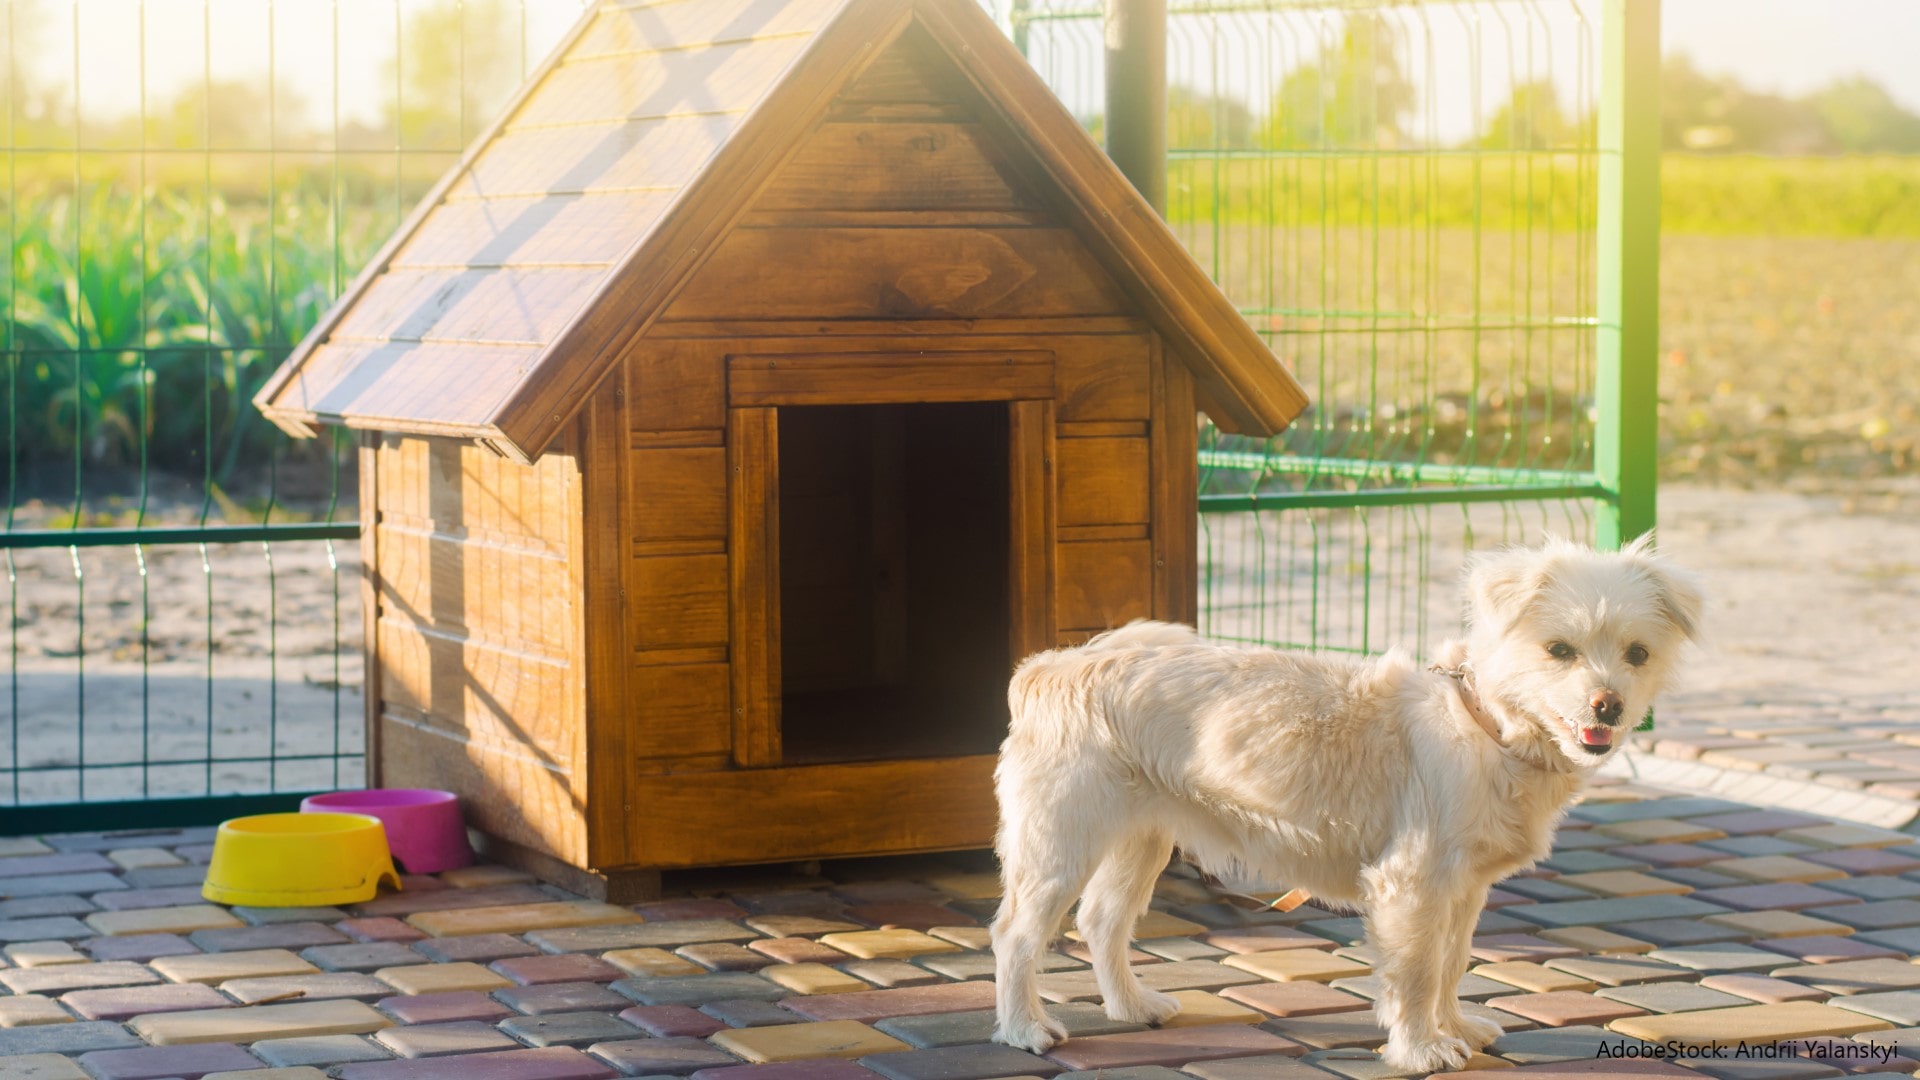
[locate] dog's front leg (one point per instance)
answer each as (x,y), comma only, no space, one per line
(1115,899)
(1406,906)
(1456,936)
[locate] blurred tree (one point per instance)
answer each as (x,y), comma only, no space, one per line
(459,62)
(1532,119)
(1355,94)
(1861,117)
(1197,120)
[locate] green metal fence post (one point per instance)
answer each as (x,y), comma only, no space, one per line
(1626,437)
(1137,95)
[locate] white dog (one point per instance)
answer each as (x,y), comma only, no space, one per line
(1375,784)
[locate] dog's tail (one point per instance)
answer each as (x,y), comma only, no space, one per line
(1145,634)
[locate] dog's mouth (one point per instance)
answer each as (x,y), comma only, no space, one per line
(1593,739)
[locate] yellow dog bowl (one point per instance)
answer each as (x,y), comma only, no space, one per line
(299,860)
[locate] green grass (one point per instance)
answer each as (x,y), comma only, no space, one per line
(1839,197)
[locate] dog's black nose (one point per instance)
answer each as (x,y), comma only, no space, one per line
(1606,706)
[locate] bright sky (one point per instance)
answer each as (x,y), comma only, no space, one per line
(1793,46)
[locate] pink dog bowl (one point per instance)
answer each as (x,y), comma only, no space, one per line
(424,827)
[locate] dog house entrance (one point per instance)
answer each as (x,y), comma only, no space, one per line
(895,634)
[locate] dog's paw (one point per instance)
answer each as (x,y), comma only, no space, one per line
(1441,1054)
(1036,1034)
(1477,1031)
(1147,1007)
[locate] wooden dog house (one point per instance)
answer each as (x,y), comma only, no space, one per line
(769,380)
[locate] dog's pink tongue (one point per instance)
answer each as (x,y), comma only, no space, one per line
(1596,736)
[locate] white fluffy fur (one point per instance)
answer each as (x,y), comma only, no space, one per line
(1356,779)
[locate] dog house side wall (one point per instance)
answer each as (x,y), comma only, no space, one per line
(477,683)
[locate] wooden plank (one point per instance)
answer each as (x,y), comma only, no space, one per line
(1243,386)
(728,77)
(894,219)
(676,385)
(1106,377)
(677,602)
(819,811)
(481,591)
(603,716)
(1070,534)
(911,70)
(706,654)
(370,449)
(677,440)
(892,166)
(902,273)
(1031,526)
(391,386)
(533,231)
(1104,583)
(658,155)
(633,31)
(1176,495)
(753,543)
(1102,481)
(878,378)
(677,494)
(676,710)
(1095,429)
(492,307)
(484,693)
(503,791)
(973,334)
(648,548)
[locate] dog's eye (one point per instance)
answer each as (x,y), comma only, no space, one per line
(1560,650)
(1636,655)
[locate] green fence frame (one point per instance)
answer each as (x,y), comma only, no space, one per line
(1269,494)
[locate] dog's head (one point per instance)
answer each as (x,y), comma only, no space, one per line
(1578,642)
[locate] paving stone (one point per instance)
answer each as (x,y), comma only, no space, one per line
(318,1050)
(1580,1044)
(1854,976)
(144,858)
(1582,862)
(1170,1047)
(1471,987)
(75,1038)
(1828,949)
(154,1062)
(520,918)
(54,927)
(747,1013)
(892,974)
(1180,949)
(800,1042)
(216,968)
(1689,807)
(126,1003)
(1262,1067)
(1866,861)
(64,977)
(973,938)
(295,1073)
(1778,924)
(1137,1072)
(32,1010)
(1199,1008)
(1763,988)
(92,884)
(1532,977)
(43,954)
(910,915)
(1331,1031)
(1875,888)
(888,944)
(1778,1069)
(1185,975)
(579,1029)
(1623,883)
(1758,845)
(322,987)
(1298,964)
(655,963)
(643,1057)
(667,935)
(1785,896)
(443,1008)
(1620,910)
(807,926)
(1846,835)
(1292,999)
(1761,868)
(440,978)
(1347,930)
(1543,889)
(1729,1027)
(560,997)
(818,1069)
(41,1067)
(1505,948)
(813,979)
(386,928)
(1667,855)
(1671,997)
(721,956)
(1719,958)
(296,935)
(564,967)
(1900,1007)
(669,1021)
(414,901)
(1878,915)
(437,1040)
(36,907)
(1696,878)
(1905,941)
(799,950)
(1564,1008)
(361,956)
(165,877)
(11,869)
(1758,822)
(1622,970)
(255,1022)
(553,1063)
(183,919)
(138,948)
(1659,831)
(700,989)
(1672,933)
(271,916)
(1258,939)
(871,1005)
(930,1030)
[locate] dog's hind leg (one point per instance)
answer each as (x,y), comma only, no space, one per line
(1044,864)
(1114,900)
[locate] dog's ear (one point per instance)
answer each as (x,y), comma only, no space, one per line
(1679,597)
(1501,584)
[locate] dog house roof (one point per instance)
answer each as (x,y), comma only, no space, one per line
(517,283)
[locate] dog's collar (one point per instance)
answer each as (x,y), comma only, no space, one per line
(1467,700)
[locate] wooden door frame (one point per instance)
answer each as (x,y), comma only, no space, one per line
(758,386)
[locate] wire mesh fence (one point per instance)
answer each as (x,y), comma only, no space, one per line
(1400,196)
(1403,199)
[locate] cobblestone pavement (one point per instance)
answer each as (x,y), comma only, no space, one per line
(1659,917)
